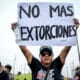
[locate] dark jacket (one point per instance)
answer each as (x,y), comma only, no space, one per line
(4,76)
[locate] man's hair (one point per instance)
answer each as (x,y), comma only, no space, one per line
(8,67)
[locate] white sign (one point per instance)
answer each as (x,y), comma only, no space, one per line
(46,24)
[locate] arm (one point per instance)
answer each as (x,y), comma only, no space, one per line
(64,53)
(26,53)
(24,49)
(66,50)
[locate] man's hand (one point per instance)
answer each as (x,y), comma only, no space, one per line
(15,28)
(14,25)
(66,49)
(24,49)
(76,22)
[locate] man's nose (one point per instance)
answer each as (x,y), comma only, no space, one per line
(46,54)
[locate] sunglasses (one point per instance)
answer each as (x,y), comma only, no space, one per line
(46,53)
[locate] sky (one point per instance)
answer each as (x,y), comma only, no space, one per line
(9,50)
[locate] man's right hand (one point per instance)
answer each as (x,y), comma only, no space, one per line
(14,25)
(24,49)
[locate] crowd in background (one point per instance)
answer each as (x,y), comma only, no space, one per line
(5,72)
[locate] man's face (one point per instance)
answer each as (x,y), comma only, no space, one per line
(46,58)
(7,70)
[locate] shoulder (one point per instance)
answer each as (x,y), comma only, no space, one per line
(4,73)
(57,61)
(35,61)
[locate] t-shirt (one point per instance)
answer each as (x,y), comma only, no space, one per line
(39,71)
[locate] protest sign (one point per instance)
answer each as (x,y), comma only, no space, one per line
(46,24)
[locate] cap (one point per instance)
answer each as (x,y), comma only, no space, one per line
(46,48)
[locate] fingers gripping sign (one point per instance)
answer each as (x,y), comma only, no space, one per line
(16,30)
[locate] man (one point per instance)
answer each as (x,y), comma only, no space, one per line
(77,73)
(46,68)
(3,74)
(8,70)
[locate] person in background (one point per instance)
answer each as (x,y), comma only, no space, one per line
(3,74)
(47,68)
(8,70)
(77,73)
